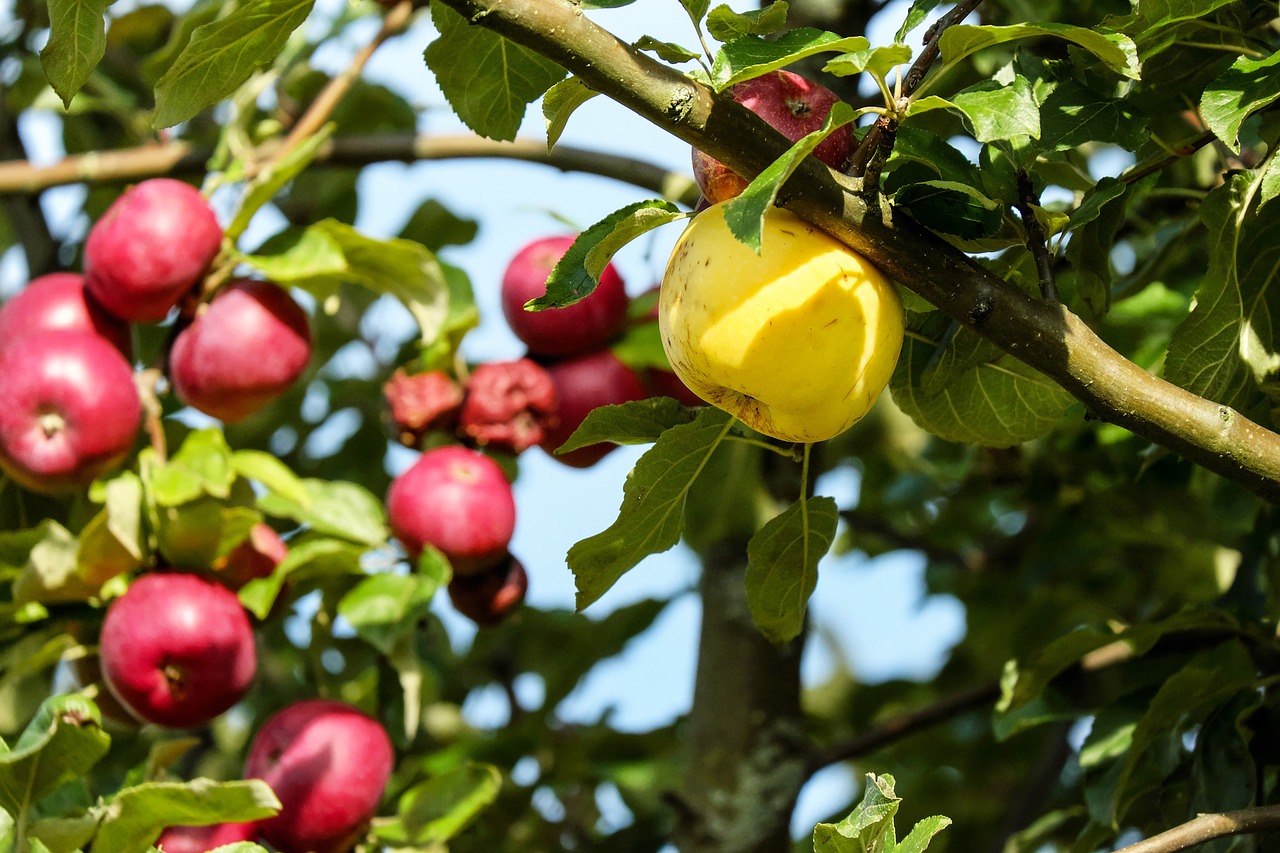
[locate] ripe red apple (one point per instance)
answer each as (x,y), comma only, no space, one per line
(69,409)
(491,596)
(508,406)
(256,557)
(59,300)
(177,649)
(665,383)
(244,349)
(584,383)
(576,328)
(328,764)
(202,839)
(151,246)
(457,500)
(792,105)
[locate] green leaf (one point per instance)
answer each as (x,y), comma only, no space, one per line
(640,348)
(578,271)
(328,254)
(726,25)
(745,214)
(665,50)
(1072,115)
(77,41)
(384,607)
(782,565)
(436,810)
(1247,86)
(335,508)
(268,471)
(1115,50)
(651,515)
(307,557)
(1106,191)
(1227,346)
(436,226)
(696,10)
(462,317)
(199,533)
(996,112)
(1094,225)
(922,147)
(264,186)
(876,61)
(50,572)
(487,79)
(1270,181)
(61,743)
(135,816)
(113,541)
(916,15)
(951,208)
(202,466)
(992,399)
(222,54)
(868,828)
(635,422)
(752,56)
(917,841)
(560,102)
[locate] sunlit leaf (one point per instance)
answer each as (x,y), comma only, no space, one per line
(782,565)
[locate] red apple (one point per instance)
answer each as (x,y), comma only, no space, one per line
(202,839)
(422,403)
(457,500)
(69,410)
(177,649)
(492,596)
(151,246)
(792,105)
(256,557)
(576,328)
(583,384)
(244,349)
(508,406)
(665,383)
(59,300)
(328,764)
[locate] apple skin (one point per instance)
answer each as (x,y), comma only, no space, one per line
(508,405)
(584,383)
(59,300)
(177,649)
(797,342)
(152,245)
(583,326)
(244,349)
(202,839)
(457,500)
(489,598)
(792,105)
(69,409)
(328,763)
(256,557)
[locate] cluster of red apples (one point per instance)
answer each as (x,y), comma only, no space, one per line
(69,406)
(456,498)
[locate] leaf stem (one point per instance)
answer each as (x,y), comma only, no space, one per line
(785,453)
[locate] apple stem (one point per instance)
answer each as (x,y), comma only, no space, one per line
(176,679)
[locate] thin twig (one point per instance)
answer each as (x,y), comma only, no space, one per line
(933,45)
(1207,827)
(1140,170)
(1027,199)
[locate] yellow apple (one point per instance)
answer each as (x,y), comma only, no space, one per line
(797,342)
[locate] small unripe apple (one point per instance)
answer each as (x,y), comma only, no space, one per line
(491,596)
(508,406)
(328,764)
(256,557)
(152,245)
(579,327)
(797,342)
(242,350)
(792,105)
(457,500)
(202,839)
(59,300)
(177,649)
(585,383)
(69,409)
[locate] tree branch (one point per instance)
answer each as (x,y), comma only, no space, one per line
(1027,199)
(1207,827)
(1046,336)
(180,158)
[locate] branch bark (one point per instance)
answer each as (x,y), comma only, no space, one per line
(1046,336)
(1207,827)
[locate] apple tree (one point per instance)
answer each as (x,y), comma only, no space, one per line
(222,613)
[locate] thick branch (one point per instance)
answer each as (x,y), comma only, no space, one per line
(1207,827)
(179,158)
(1046,336)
